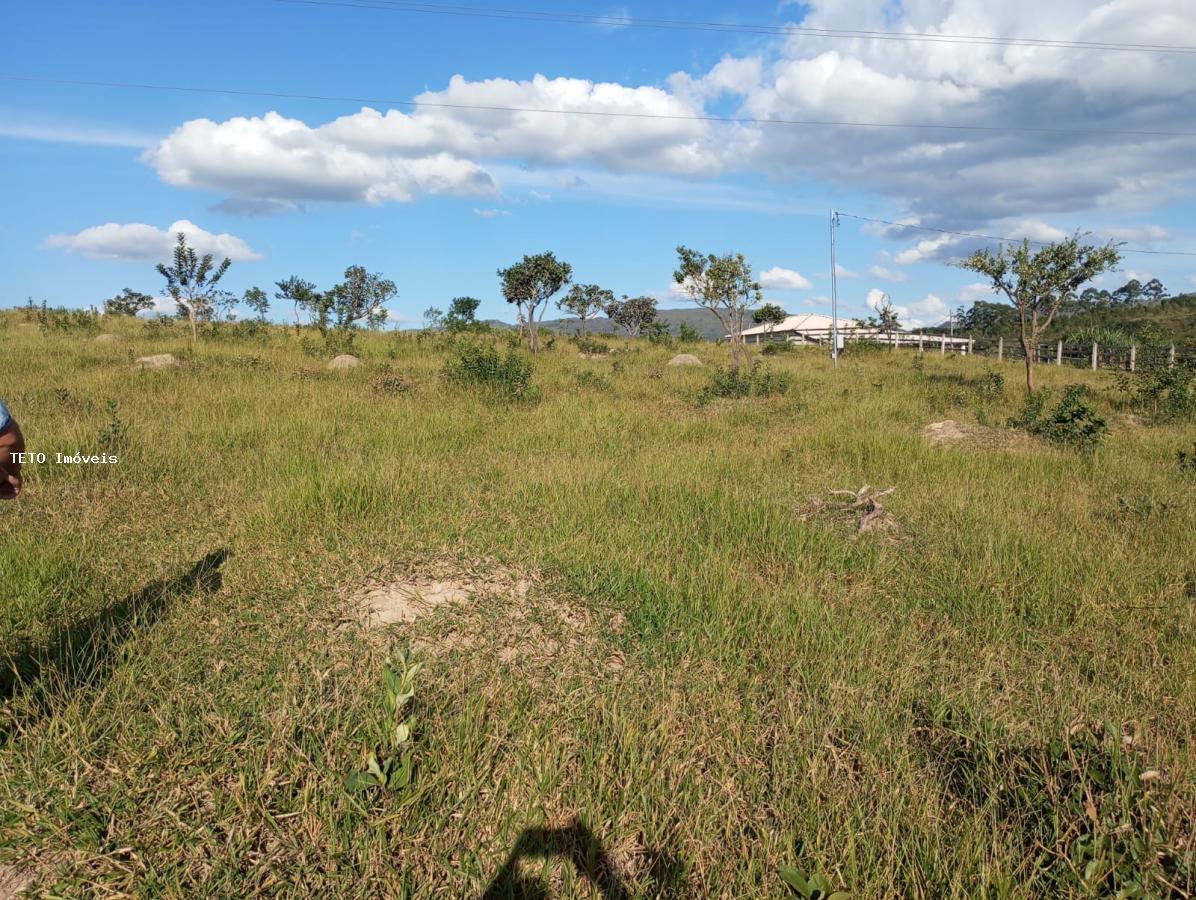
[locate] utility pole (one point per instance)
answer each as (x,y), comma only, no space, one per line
(834,294)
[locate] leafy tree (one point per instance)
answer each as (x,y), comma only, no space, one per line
(192,284)
(632,314)
(530,284)
(1128,293)
(255,298)
(687,334)
(302,294)
(361,297)
(1037,282)
(462,314)
(433,318)
(723,285)
(128,303)
(770,316)
(585,301)
(1154,291)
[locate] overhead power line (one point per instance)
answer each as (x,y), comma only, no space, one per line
(990,237)
(622,21)
(610,114)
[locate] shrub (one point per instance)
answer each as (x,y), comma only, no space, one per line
(755,381)
(389,384)
(991,386)
(1073,423)
(481,366)
(772,348)
(1165,394)
(1186,460)
(587,344)
(687,334)
(592,380)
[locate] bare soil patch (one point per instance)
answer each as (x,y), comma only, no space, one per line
(952,433)
(507,615)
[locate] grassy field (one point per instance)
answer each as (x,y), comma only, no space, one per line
(711,677)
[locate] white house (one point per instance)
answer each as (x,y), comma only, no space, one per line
(815,328)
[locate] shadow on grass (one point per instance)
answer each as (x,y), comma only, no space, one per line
(84,653)
(578,846)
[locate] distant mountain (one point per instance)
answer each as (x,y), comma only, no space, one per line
(702,321)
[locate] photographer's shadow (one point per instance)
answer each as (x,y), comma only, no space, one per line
(84,653)
(576,845)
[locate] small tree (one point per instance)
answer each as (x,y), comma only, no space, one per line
(530,284)
(585,301)
(255,298)
(723,285)
(687,334)
(302,294)
(191,283)
(433,318)
(770,316)
(128,303)
(886,319)
(462,314)
(361,297)
(632,314)
(1038,282)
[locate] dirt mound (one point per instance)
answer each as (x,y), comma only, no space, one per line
(502,614)
(159,361)
(952,433)
(685,359)
(410,598)
(345,361)
(106,339)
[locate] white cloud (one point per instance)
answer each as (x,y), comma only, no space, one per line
(977,290)
(73,134)
(491,213)
(779,279)
(844,272)
(139,242)
(958,180)
(1192,279)
(885,274)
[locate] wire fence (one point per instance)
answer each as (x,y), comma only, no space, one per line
(1124,358)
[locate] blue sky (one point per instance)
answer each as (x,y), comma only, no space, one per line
(94,177)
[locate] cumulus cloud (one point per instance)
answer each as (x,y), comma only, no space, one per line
(886,274)
(843,272)
(959,180)
(140,242)
(274,162)
(779,279)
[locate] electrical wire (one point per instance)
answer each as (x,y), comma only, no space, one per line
(990,237)
(621,21)
(614,114)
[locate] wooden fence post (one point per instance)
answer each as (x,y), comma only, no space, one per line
(943,348)
(1171,357)
(971,344)
(1059,353)
(1133,357)
(1000,349)
(1095,356)
(921,341)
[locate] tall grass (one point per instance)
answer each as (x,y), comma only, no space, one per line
(786,693)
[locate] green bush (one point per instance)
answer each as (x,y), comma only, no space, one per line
(587,344)
(1164,393)
(1073,423)
(755,381)
(509,376)
(772,348)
